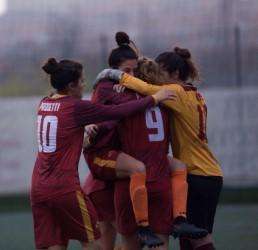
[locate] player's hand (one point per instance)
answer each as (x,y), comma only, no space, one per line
(91,130)
(119,88)
(113,74)
(164,94)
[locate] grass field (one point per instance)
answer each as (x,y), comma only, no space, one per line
(236,228)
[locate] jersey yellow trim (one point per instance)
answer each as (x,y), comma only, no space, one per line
(86,217)
(104,163)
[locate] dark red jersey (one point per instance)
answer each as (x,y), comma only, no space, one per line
(145,136)
(107,137)
(60,135)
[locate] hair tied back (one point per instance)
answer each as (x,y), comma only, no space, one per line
(122,39)
(184,53)
(51,66)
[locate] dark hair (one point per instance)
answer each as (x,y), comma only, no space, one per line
(63,72)
(178,60)
(123,52)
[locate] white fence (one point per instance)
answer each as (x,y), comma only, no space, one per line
(232,130)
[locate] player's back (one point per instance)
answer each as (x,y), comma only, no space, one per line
(190,143)
(145,136)
(59,148)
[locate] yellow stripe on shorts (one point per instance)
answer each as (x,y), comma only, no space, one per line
(104,163)
(86,217)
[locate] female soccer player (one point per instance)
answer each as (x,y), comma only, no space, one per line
(60,210)
(108,162)
(178,175)
(188,125)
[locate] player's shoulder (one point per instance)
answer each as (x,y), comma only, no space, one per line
(71,103)
(184,90)
(193,92)
(48,103)
(189,87)
(66,98)
(103,91)
(183,87)
(174,86)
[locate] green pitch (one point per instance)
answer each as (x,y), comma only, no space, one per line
(236,228)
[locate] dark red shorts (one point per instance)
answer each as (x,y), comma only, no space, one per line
(160,207)
(103,165)
(70,216)
(103,202)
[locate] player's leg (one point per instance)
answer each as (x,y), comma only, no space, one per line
(47,231)
(103,202)
(108,235)
(125,166)
(101,194)
(160,209)
(77,218)
(203,198)
(179,186)
(57,248)
(130,242)
(114,165)
(205,243)
(91,246)
(125,219)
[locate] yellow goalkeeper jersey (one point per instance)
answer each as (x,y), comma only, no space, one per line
(188,125)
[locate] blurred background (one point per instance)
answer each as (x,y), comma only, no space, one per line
(223,38)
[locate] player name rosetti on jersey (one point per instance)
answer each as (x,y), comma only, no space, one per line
(46,106)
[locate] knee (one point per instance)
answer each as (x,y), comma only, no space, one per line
(107,228)
(139,168)
(176,164)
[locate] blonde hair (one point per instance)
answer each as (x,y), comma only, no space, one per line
(149,71)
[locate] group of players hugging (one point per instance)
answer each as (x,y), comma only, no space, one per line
(139,108)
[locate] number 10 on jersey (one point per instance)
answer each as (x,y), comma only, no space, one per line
(47,131)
